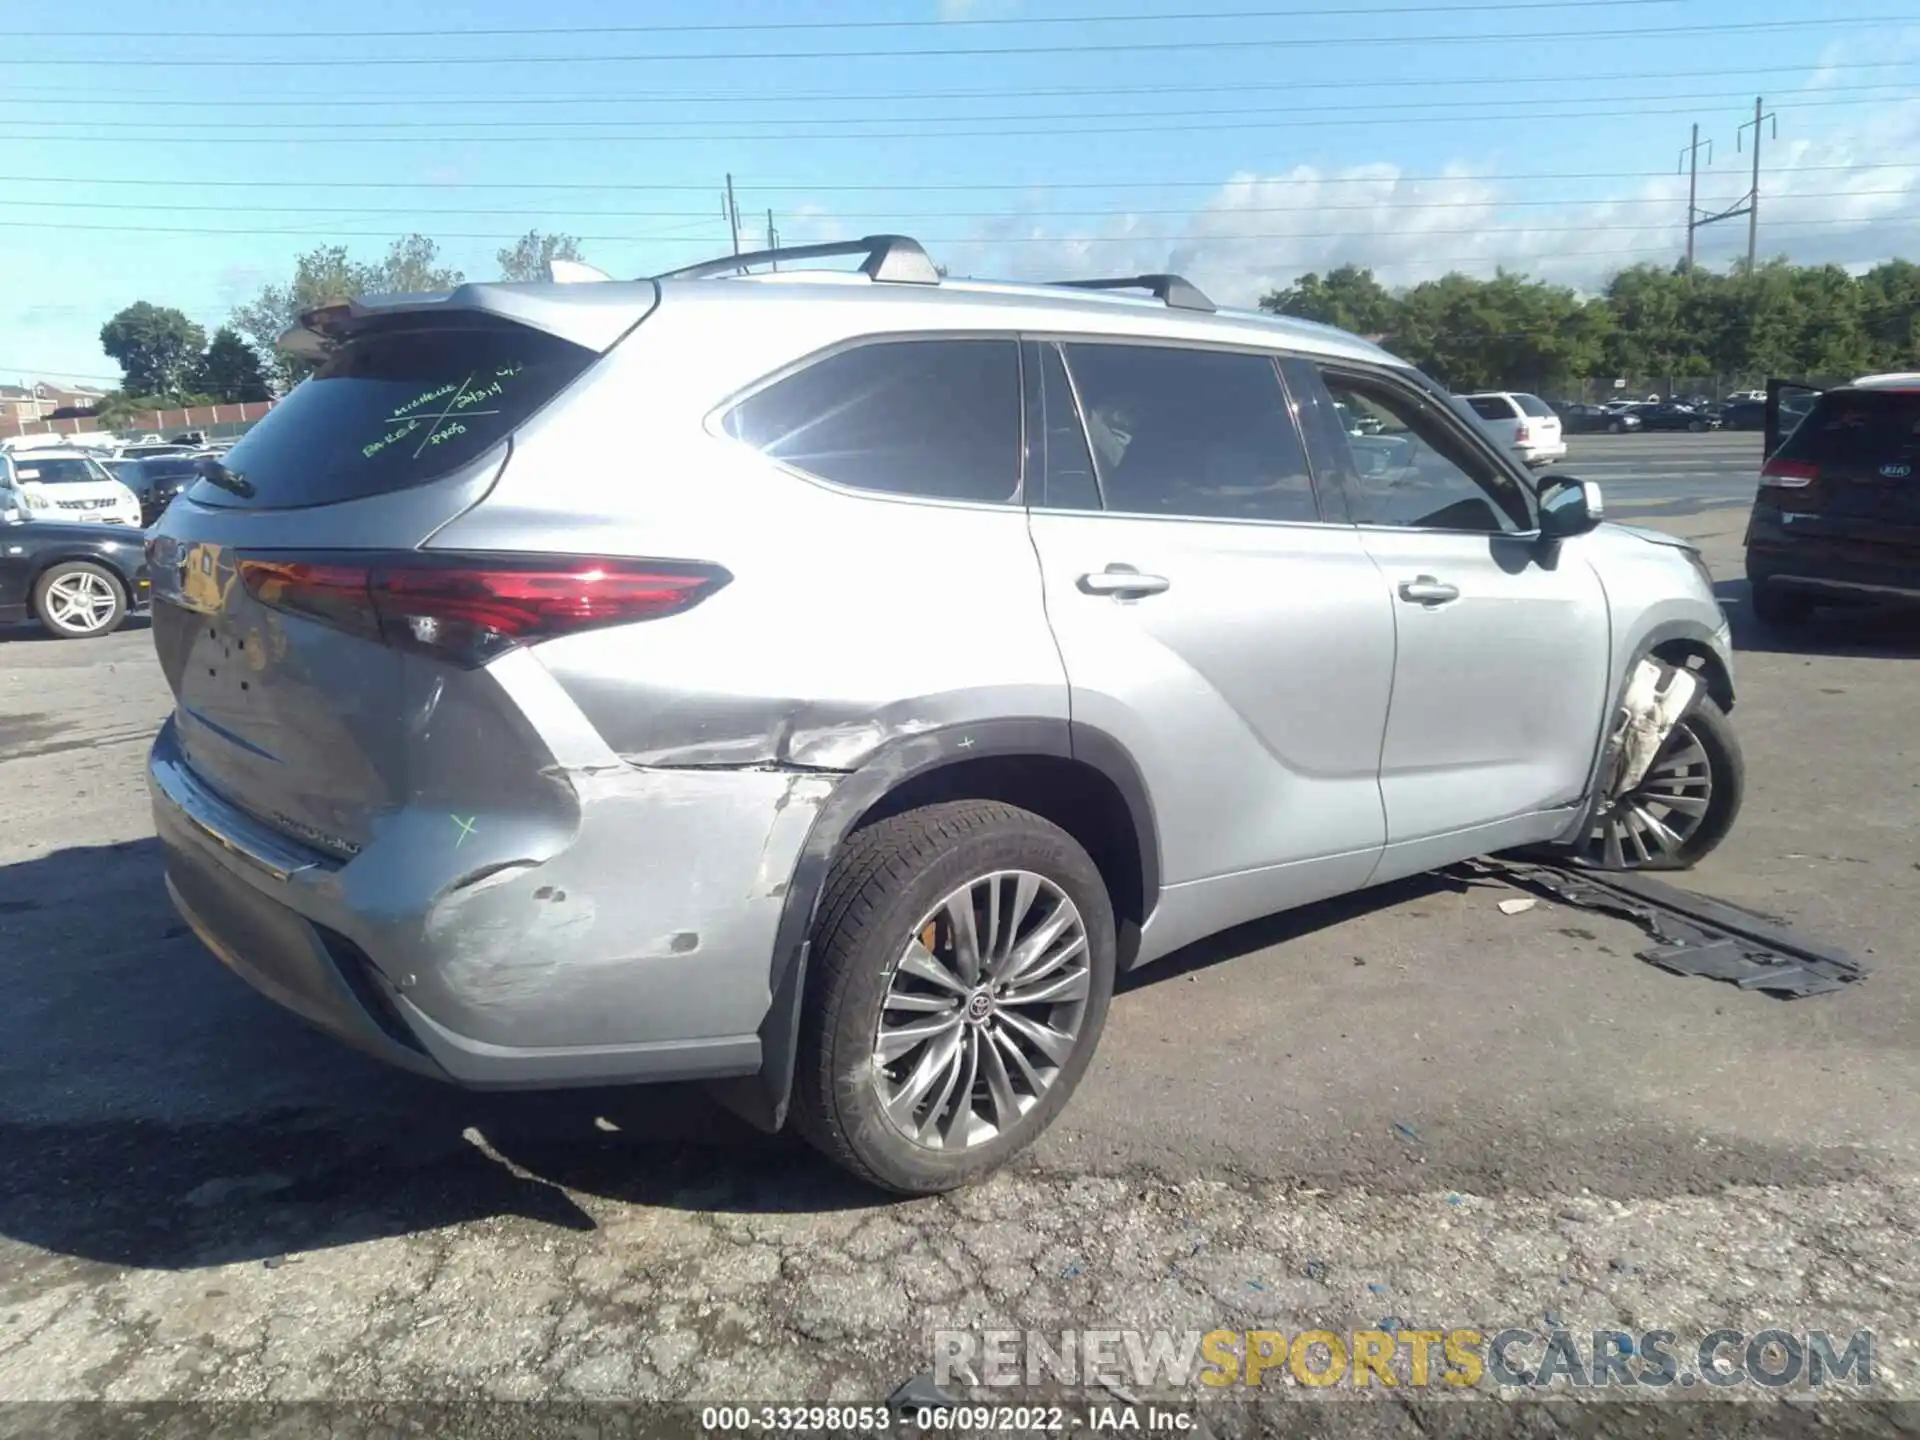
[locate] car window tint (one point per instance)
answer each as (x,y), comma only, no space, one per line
(938,419)
(1858,427)
(394,407)
(1532,405)
(1491,407)
(1406,466)
(1203,434)
(1070,478)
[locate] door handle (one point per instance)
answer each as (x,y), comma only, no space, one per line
(1425,590)
(1123,581)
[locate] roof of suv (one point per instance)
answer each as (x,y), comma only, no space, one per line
(596,312)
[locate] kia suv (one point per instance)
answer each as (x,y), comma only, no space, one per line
(943,650)
(1837,515)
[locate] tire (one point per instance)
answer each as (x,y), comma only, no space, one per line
(884,893)
(78,599)
(1776,607)
(1616,428)
(1704,728)
(1696,426)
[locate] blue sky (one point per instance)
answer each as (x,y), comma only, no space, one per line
(1277,136)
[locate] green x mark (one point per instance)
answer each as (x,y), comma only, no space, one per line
(466,828)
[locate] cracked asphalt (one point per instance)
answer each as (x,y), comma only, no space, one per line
(1404,1106)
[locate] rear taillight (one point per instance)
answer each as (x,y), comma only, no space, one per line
(1787,474)
(1523,434)
(469,608)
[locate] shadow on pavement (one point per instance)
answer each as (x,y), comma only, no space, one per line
(32,631)
(155,1112)
(1878,631)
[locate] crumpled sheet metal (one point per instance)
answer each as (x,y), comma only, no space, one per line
(1697,934)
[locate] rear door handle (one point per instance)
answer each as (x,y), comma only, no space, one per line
(1123,581)
(1425,590)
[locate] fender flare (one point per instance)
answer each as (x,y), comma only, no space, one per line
(762,1098)
(1659,635)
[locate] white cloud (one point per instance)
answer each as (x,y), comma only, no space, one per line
(1850,197)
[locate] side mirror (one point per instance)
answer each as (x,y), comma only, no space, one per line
(1569,507)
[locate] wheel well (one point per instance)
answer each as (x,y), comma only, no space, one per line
(1074,795)
(1697,655)
(95,561)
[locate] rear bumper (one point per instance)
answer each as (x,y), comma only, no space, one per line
(1548,454)
(1843,569)
(638,950)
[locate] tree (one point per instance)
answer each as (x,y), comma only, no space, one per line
(527,257)
(412,267)
(230,370)
(157,348)
(329,274)
(1348,297)
(319,276)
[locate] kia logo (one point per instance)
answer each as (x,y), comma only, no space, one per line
(1896,472)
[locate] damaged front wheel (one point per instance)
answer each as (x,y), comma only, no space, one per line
(1681,808)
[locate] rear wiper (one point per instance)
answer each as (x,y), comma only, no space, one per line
(216,473)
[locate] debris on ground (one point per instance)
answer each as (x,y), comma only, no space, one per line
(1516,907)
(1698,934)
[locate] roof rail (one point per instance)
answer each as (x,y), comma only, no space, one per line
(894,258)
(1173,291)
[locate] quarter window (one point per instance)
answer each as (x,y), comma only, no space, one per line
(1204,434)
(937,419)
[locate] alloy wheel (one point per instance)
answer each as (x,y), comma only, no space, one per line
(985,1005)
(1654,821)
(82,602)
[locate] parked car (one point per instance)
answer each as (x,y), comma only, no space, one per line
(1524,423)
(1665,415)
(152,450)
(78,580)
(516,766)
(158,481)
(48,484)
(1597,419)
(1837,515)
(1744,415)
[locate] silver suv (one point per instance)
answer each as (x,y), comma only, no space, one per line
(821,684)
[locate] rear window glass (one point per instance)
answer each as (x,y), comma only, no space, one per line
(396,408)
(1491,407)
(1532,405)
(1858,427)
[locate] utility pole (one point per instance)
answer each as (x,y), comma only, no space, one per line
(732,212)
(773,237)
(1690,157)
(1760,117)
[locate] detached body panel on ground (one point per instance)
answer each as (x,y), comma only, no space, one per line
(912,679)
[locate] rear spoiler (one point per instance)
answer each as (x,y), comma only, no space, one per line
(594,316)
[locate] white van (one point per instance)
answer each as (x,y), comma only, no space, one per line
(64,485)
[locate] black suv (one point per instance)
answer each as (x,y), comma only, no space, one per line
(1837,517)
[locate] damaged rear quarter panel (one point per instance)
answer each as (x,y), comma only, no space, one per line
(655,923)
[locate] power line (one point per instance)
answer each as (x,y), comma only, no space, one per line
(1348,115)
(740,26)
(908,187)
(135,134)
(253,233)
(896,216)
(1290,42)
(280,98)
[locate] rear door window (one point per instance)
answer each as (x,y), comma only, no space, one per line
(934,419)
(1200,434)
(1491,407)
(397,407)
